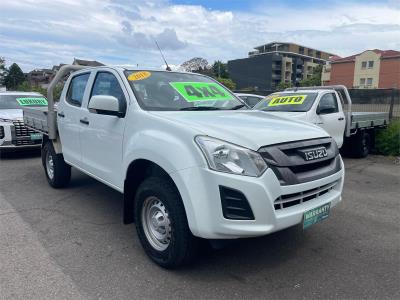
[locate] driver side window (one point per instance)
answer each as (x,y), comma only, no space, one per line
(106,84)
(328,104)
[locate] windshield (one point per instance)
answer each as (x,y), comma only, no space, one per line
(159,90)
(287,102)
(16,101)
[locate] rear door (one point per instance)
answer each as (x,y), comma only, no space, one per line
(330,116)
(69,112)
(102,135)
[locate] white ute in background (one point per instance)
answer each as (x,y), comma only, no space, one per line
(190,162)
(14,135)
(329,107)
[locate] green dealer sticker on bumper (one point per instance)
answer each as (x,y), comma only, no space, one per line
(316,215)
(201,91)
(34,101)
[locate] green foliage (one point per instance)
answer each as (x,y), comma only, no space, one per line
(3,71)
(26,87)
(219,69)
(15,77)
(387,141)
(315,79)
(227,82)
(283,85)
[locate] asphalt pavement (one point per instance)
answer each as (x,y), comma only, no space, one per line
(71,244)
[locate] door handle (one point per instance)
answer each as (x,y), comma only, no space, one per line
(61,114)
(341,119)
(319,123)
(84,121)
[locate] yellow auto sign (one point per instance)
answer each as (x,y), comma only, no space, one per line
(287,100)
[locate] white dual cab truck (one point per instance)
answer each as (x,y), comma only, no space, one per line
(14,135)
(188,157)
(329,107)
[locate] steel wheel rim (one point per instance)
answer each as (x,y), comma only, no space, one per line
(156,223)
(49,165)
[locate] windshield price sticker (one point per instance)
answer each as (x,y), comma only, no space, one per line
(200,91)
(287,100)
(139,75)
(40,101)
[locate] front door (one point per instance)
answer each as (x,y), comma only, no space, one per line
(331,118)
(102,135)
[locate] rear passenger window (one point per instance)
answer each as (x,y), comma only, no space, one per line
(76,89)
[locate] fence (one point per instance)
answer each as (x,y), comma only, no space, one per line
(364,100)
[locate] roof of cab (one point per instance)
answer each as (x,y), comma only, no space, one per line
(19,93)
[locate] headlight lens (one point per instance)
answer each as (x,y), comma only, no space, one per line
(229,158)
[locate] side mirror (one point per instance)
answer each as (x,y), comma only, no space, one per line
(325,110)
(105,105)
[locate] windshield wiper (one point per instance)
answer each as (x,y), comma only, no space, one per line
(200,108)
(238,106)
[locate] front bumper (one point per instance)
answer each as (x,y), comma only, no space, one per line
(199,188)
(11,141)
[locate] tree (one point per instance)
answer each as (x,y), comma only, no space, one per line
(315,79)
(3,70)
(195,64)
(14,77)
(283,85)
(219,69)
(227,82)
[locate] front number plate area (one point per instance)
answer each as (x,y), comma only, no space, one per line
(36,136)
(316,215)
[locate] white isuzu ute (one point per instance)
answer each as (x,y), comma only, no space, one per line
(14,135)
(329,107)
(190,162)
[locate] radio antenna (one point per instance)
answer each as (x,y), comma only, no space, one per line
(162,55)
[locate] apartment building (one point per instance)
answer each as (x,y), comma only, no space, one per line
(369,69)
(270,64)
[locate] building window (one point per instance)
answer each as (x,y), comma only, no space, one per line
(362,81)
(318,54)
(369,81)
(370,64)
(364,65)
(301,50)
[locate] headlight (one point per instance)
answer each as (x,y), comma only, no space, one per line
(229,158)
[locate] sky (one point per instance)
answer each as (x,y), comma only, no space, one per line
(43,33)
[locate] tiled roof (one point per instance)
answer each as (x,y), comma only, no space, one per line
(383,53)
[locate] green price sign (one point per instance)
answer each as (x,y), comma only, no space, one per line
(39,101)
(201,91)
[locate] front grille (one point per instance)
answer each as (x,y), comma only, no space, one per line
(235,205)
(289,200)
(26,142)
(1,132)
(290,166)
(21,129)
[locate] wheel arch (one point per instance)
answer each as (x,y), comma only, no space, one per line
(137,171)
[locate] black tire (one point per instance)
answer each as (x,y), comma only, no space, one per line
(182,245)
(61,175)
(361,145)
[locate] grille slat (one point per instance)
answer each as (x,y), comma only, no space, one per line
(21,129)
(285,201)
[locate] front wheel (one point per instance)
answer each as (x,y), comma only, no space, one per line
(161,223)
(58,173)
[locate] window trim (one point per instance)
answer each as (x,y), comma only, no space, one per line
(125,104)
(75,103)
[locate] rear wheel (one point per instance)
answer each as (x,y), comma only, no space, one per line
(361,144)
(58,173)
(161,223)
